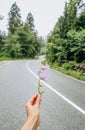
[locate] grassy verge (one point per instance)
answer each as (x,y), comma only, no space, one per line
(7,58)
(76,74)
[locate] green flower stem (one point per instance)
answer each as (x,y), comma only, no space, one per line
(39,86)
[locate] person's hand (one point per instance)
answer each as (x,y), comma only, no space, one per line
(33,109)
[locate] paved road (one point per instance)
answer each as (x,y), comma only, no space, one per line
(63,104)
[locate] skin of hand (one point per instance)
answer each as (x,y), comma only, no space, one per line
(33,113)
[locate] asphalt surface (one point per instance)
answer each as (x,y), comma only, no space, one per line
(62,108)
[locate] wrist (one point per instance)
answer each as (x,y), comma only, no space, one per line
(32,122)
(33,117)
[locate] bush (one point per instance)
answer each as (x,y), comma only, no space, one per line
(69,66)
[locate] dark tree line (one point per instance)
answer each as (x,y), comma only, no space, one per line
(22,40)
(67,40)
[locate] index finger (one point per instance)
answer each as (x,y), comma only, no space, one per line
(33,99)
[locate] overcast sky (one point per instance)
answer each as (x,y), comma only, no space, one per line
(45,13)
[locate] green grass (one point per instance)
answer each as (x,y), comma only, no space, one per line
(76,74)
(7,58)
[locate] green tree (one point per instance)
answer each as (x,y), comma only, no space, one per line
(25,40)
(29,43)
(70,14)
(30,21)
(2,35)
(80,21)
(77,45)
(11,47)
(22,40)
(14,20)
(66,41)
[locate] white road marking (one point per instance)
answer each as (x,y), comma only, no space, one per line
(59,94)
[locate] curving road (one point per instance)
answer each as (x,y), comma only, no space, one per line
(63,104)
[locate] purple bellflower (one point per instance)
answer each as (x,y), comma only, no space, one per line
(41,77)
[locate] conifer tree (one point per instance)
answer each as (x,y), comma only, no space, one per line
(14,20)
(30,21)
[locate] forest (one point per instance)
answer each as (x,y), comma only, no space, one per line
(65,45)
(66,42)
(22,40)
